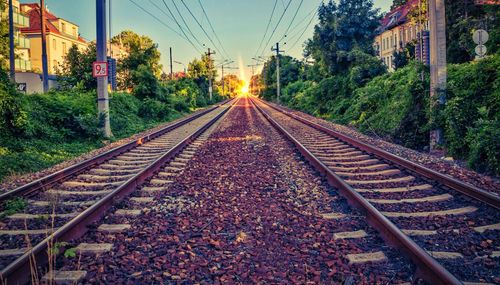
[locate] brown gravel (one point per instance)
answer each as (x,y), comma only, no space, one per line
(440,164)
(14,181)
(254,217)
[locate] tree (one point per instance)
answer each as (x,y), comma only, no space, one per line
(397,3)
(202,67)
(141,51)
(255,84)
(76,69)
(290,71)
(350,25)
(232,85)
(4,38)
(463,17)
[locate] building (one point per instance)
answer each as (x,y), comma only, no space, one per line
(396,31)
(21,20)
(61,34)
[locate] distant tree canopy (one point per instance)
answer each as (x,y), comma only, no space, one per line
(4,38)
(463,17)
(142,51)
(232,85)
(397,3)
(290,71)
(202,67)
(350,25)
(76,69)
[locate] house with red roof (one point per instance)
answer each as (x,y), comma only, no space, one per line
(397,30)
(61,34)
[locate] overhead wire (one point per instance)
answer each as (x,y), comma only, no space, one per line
(185,23)
(277,24)
(199,24)
(303,31)
(212,28)
(267,27)
(291,22)
(161,10)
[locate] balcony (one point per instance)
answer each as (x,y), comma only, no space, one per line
(23,65)
(21,21)
(22,42)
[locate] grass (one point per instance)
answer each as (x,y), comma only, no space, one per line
(27,156)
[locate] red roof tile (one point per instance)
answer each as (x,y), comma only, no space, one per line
(34,27)
(397,16)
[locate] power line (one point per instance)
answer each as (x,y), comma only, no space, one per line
(180,27)
(161,10)
(213,30)
(291,22)
(267,27)
(303,19)
(305,29)
(205,32)
(156,18)
(187,26)
(277,24)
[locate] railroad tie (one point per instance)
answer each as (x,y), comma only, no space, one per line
(357,258)
(113,228)
(94,248)
(349,235)
(64,277)
(436,198)
(458,211)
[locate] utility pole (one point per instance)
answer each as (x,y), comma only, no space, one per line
(278,51)
(437,25)
(223,85)
(45,66)
(209,53)
(12,55)
(102,82)
(171,67)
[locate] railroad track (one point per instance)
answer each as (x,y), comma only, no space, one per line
(61,206)
(447,227)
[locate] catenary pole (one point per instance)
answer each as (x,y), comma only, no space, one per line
(278,51)
(12,54)
(102,82)
(438,69)
(210,87)
(171,67)
(45,66)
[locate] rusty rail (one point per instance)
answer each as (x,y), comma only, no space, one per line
(19,272)
(427,267)
(462,187)
(62,174)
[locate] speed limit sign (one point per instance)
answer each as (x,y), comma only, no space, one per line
(100,69)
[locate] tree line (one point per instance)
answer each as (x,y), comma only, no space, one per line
(341,79)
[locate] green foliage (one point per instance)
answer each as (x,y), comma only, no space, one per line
(290,71)
(349,25)
(141,50)
(13,117)
(76,69)
(13,206)
(4,38)
(70,252)
(147,84)
(462,19)
(472,111)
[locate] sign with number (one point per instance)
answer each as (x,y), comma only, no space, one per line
(100,69)
(480,37)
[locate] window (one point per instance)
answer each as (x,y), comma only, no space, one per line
(64,48)
(74,31)
(54,65)
(54,44)
(63,27)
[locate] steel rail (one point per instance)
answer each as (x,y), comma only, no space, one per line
(62,174)
(460,186)
(427,267)
(18,272)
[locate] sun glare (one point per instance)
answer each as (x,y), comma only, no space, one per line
(245,87)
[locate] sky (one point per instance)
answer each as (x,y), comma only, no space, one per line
(238,24)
